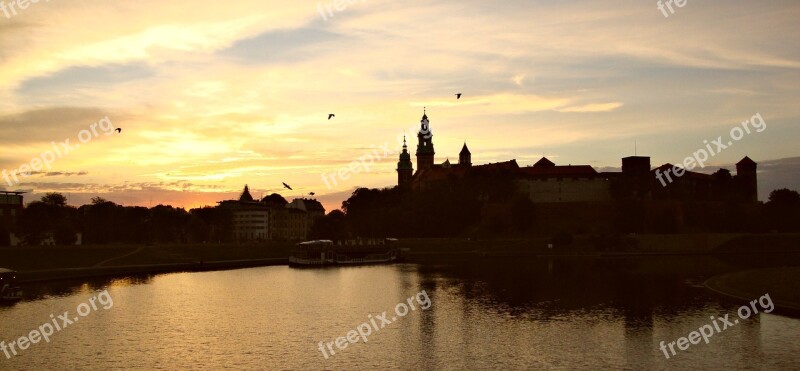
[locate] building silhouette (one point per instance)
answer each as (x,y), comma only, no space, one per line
(271,218)
(10,207)
(405,169)
(580,191)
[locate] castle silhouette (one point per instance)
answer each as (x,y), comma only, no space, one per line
(581,189)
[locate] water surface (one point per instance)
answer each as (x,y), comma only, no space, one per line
(488,313)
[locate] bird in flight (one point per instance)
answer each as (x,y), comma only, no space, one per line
(330,116)
(311,193)
(287,187)
(119,130)
(458,95)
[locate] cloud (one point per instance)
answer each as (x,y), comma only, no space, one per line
(220,96)
(519,103)
(71,82)
(45,125)
(594,107)
(62,173)
(281,46)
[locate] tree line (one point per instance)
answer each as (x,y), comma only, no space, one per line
(453,208)
(105,222)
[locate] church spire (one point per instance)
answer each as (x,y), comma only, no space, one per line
(465,157)
(405,169)
(246,197)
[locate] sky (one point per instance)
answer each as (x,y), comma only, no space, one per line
(211,96)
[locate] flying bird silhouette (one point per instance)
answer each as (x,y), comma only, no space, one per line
(458,96)
(330,116)
(287,187)
(119,130)
(311,193)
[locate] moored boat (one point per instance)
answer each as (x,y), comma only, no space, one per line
(10,292)
(345,252)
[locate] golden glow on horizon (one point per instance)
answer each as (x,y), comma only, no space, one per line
(213,97)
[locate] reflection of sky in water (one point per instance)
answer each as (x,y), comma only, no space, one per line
(535,314)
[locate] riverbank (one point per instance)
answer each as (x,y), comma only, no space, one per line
(48,263)
(609,246)
(26,277)
(782,284)
(43,263)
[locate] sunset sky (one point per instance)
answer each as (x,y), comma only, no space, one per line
(215,95)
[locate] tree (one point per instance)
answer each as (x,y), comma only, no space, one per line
(64,235)
(210,224)
(168,224)
(42,218)
(723,175)
(102,221)
(54,199)
(275,199)
(785,197)
(783,210)
(330,227)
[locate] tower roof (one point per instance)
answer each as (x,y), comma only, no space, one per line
(464,150)
(424,114)
(246,197)
(544,162)
(746,161)
(405,157)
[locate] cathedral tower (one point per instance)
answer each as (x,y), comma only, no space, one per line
(465,157)
(746,174)
(425,152)
(404,167)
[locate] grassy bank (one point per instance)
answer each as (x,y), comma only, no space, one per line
(625,245)
(782,285)
(37,263)
(60,262)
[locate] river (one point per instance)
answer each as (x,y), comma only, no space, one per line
(491,313)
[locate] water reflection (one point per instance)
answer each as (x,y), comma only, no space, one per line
(634,286)
(40,291)
(541,313)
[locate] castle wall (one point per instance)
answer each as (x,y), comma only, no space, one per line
(540,190)
(576,217)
